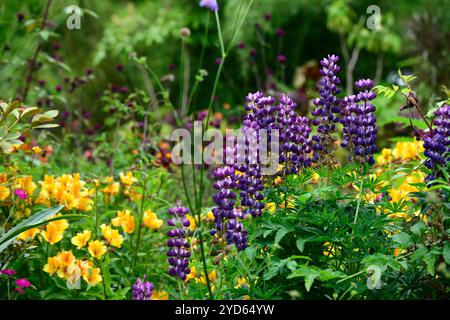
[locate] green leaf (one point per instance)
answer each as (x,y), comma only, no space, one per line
(310,273)
(47,126)
(36,220)
(32,222)
(418,228)
(403,239)
(271,272)
(250,252)
(446,253)
(280,234)
(430,260)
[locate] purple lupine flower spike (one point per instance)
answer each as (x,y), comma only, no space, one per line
(179,251)
(294,131)
(437,143)
(326,111)
(359,121)
(225,214)
(142,290)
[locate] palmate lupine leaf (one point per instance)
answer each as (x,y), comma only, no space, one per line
(34,221)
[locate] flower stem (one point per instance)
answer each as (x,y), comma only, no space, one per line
(140,216)
(359,200)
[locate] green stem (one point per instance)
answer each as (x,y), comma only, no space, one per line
(103,283)
(359,200)
(219,31)
(141,213)
(7,284)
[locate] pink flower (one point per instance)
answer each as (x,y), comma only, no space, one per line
(8,272)
(21,194)
(23,283)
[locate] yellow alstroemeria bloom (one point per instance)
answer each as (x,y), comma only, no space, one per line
(80,239)
(28,235)
(242,283)
(37,150)
(25,183)
(128,178)
(406,150)
(93,276)
(52,265)
(151,220)
(68,190)
(212,276)
(96,248)
(66,262)
(193,222)
(125,220)
(112,236)
(330,249)
(385,157)
(53,233)
(160,295)
(192,274)
(210,215)
(271,207)
(112,189)
(5,192)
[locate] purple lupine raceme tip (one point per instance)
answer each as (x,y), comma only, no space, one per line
(210,4)
(179,248)
(142,290)
(437,143)
(359,121)
(21,194)
(326,112)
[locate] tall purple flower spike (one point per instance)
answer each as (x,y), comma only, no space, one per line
(437,143)
(359,121)
(243,175)
(326,112)
(142,290)
(179,248)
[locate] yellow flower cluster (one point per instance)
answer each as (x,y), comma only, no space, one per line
(67,190)
(129,191)
(4,190)
(96,248)
(111,189)
(68,267)
(200,278)
(160,295)
(209,216)
(401,193)
(125,220)
(151,220)
(54,231)
(81,239)
(112,236)
(402,152)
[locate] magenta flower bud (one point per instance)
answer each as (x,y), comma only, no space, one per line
(282,59)
(8,272)
(21,194)
(280,32)
(23,283)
